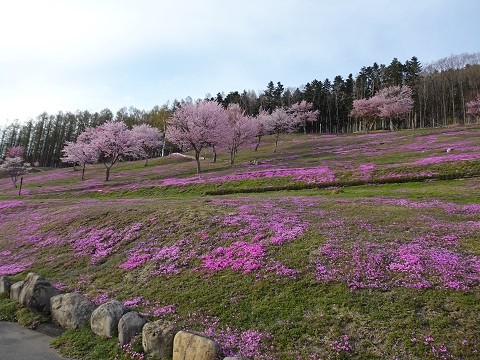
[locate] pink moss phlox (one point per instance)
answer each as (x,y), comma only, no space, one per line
(418,174)
(130,352)
(239,256)
(424,262)
(342,345)
(281,270)
(161,311)
(12,269)
(42,241)
(467,209)
(247,343)
(138,301)
(285,231)
(7,204)
(101,298)
(148,308)
(444,158)
(321,174)
(135,259)
(61,286)
(100,243)
(366,170)
(167,260)
(265,224)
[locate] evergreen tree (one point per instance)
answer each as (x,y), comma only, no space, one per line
(394,73)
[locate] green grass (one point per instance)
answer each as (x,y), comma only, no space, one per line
(459,190)
(84,344)
(31,319)
(8,308)
(11,310)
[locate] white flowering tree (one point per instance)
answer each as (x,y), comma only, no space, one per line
(15,167)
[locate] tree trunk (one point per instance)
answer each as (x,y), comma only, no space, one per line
(276,142)
(21,183)
(14,179)
(462,99)
(258,142)
(453,103)
(197,159)
(214,154)
(83,172)
(107,173)
(146,161)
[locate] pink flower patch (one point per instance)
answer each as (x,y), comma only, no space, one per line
(240,256)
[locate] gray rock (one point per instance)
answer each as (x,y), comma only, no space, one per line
(191,346)
(157,339)
(130,324)
(71,310)
(36,293)
(15,290)
(105,318)
(5,284)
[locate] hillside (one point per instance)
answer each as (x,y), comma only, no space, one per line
(336,246)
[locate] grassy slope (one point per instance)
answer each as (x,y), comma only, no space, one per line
(68,229)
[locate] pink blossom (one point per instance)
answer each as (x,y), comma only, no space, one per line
(239,256)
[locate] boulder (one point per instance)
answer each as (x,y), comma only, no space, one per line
(5,284)
(71,311)
(36,293)
(157,339)
(191,346)
(15,290)
(105,318)
(130,324)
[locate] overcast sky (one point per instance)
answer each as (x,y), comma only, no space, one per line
(64,55)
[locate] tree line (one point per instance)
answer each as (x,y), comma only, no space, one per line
(441,92)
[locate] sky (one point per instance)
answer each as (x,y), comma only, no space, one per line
(68,55)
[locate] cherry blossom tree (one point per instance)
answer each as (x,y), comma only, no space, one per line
(80,152)
(111,142)
(366,109)
(261,122)
(15,151)
(280,122)
(304,113)
(395,102)
(197,126)
(473,107)
(149,137)
(72,154)
(14,163)
(15,167)
(218,132)
(241,129)
(391,103)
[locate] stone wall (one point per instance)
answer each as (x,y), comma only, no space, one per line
(160,339)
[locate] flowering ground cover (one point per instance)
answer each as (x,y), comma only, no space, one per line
(387,271)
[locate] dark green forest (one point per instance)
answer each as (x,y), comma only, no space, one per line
(441,90)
